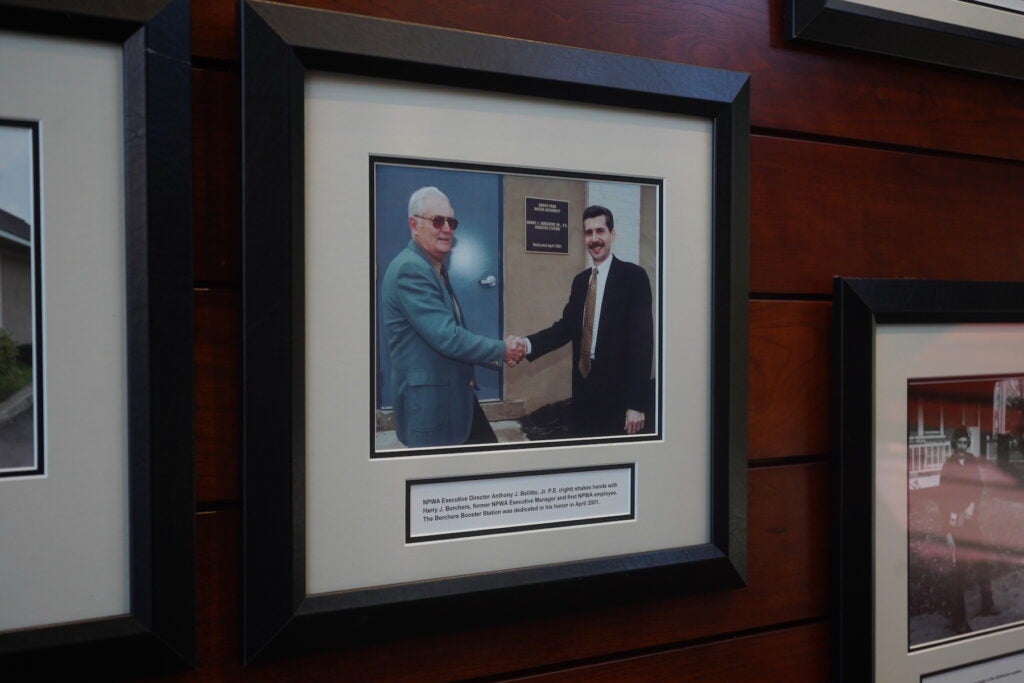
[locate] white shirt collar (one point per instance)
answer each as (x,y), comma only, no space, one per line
(602,269)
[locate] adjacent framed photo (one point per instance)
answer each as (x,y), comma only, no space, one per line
(96,488)
(448,418)
(929,412)
(985,36)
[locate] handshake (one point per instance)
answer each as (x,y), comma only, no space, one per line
(515,349)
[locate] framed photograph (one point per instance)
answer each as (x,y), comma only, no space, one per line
(929,410)
(467,263)
(985,36)
(21,433)
(510,215)
(96,488)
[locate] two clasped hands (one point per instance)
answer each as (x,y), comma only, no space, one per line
(515,349)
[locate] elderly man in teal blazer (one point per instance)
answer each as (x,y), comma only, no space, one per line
(432,352)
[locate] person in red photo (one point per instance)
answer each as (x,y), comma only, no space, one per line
(959,497)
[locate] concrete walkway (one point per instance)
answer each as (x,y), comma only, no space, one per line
(15,405)
(507,431)
(17,441)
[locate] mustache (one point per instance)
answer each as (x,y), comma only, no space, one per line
(595,243)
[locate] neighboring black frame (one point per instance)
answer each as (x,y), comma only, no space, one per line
(852,25)
(159,630)
(858,306)
(278,44)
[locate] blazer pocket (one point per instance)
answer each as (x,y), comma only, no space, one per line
(428,400)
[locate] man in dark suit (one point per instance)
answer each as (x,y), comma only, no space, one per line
(959,496)
(608,319)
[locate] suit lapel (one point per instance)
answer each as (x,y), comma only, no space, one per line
(445,292)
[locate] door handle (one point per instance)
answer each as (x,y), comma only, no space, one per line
(489,281)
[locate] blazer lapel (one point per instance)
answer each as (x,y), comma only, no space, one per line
(445,292)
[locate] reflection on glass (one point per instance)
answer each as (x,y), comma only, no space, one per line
(965,473)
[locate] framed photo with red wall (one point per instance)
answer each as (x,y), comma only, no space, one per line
(928,391)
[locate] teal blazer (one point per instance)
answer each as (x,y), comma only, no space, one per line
(432,356)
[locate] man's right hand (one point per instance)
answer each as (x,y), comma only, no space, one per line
(515,349)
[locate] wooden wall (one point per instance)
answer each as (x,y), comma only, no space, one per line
(861,166)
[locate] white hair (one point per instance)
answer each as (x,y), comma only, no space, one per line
(420,196)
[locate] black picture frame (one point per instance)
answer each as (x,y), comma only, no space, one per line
(847,24)
(278,44)
(860,306)
(159,630)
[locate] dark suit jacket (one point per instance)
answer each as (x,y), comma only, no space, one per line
(959,486)
(620,375)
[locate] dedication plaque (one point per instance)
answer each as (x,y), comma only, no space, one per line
(473,506)
(1009,669)
(547,225)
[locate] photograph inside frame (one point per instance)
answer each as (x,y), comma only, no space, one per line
(19,451)
(965,475)
(1012,5)
(513,307)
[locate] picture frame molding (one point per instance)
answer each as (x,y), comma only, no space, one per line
(859,306)
(279,43)
(846,24)
(159,631)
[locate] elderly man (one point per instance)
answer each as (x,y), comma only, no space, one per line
(432,351)
(609,322)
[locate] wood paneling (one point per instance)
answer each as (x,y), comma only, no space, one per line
(861,166)
(215,164)
(785,506)
(792,655)
(215,29)
(217,540)
(814,90)
(789,378)
(820,210)
(217,385)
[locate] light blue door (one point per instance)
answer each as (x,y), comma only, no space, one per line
(474,265)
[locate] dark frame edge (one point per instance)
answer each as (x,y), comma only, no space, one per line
(158,250)
(338,620)
(278,618)
(410,52)
(273,577)
(838,23)
(159,631)
(731,264)
(852,427)
(112,20)
(859,305)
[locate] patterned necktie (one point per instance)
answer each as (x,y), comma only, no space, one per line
(588,325)
(451,293)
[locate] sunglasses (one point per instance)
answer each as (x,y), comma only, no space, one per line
(439,221)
